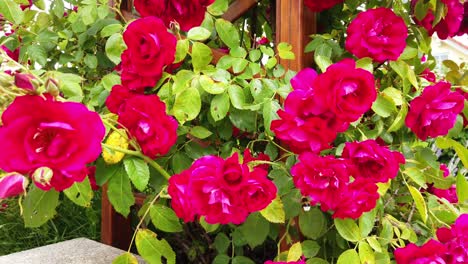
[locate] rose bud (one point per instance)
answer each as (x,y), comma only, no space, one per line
(52,87)
(25,81)
(12,185)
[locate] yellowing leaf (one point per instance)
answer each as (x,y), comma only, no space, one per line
(275,211)
(295,252)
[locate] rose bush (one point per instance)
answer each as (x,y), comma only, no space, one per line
(360,159)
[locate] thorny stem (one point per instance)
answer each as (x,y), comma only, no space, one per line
(143,218)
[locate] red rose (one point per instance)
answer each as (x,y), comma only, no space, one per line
(435,111)
(321,178)
(371,161)
(150,47)
(320,5)
(12,54)
(449,194)
(145,118)
(260,157)
(345,90)
(118,96)
(181,195)
(377,33)
(258,191)
(188,13)
(359,197)
(456,240)
(12,185)
(24,81)
(30,3)
(91,172)
(428,75)
(40,132)
(449,25)
(431,252)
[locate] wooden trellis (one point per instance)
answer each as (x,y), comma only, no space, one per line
(294,23)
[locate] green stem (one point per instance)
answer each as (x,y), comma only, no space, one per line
(283,237)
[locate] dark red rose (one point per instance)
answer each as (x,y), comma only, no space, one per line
(23,7)
(377,33)
(12,54)
(39,132)
(118,96)
(345,90)
(431,252)
(320,5)
(150,48)
(449,25)
(260,157)
(145,118)
(371,161)
(188,13)
(359,197)
(321,178)
(435,111)
(464,25)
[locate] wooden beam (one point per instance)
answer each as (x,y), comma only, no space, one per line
(238,8)
(294,24)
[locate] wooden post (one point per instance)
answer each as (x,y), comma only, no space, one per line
(294,24)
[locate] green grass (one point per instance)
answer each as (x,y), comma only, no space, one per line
(71,221)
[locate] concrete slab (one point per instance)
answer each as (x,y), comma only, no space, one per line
(76,251)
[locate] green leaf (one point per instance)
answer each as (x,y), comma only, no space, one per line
(419,201)
(91,61)
(322,56)
(393,94)
(316,261)
(80,193)
(198,34)
(400,119)
(218,7)
(236,93)
(375,245)
(270,110)
(222,259)
(38,54)
(274,212)
(405,72)
(310,248)
(11,11)
(366,222)
(201,56)
(152,249)
(383,106)
(165,219)
(348,229)
(222,243)
(416,175)
(461,151)
(366,254)
(462,188)
(255,55)
(70,85)
(366,64)
(200,132)
(180,161)
(115,46)
(295,252)
(39,206)
(187,105)
(243,119)
(220,106)
(285,51)
(313,223)
(242,260)
(210,86)
(255,230)
(125,258)
(209,228)
(110,30)
(350,256)
(182,49)
(227,32)
(120,192)
(138,172)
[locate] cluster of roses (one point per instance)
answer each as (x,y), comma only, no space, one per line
(222,190)
(327,180)
(451,247)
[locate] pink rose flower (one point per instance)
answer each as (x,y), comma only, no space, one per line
(118,96)
(371,161)
(40,132)
(449,194)
(428,75)
(12,184)
(12,54)
(321,178)
(188,13)
(223,191)
(150,48)
(430,252)
(346,91)
(456,240)
(377,33)
(449,25)
(445,170)
(320,5)
(260,157)
(262,41)
(145,118)
(23,7)
(434,112)
(24,81)
(359,197)
(464,25)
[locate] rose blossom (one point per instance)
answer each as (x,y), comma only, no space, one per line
(223,191)
(117,98)
(377,33)
(91,172)
(12,184)
(145,118)
(39,132)
(345,90)
(444,169)
(428,75)
(24,81)
(371,161)
(431,252)
(456,240)
(435,111)
(321,178)
(320,5)
(449,25)
(359,197)
(188,13)
(449,194)
(12,54)
(150,47)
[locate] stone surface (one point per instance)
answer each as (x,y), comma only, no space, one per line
(76,251)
